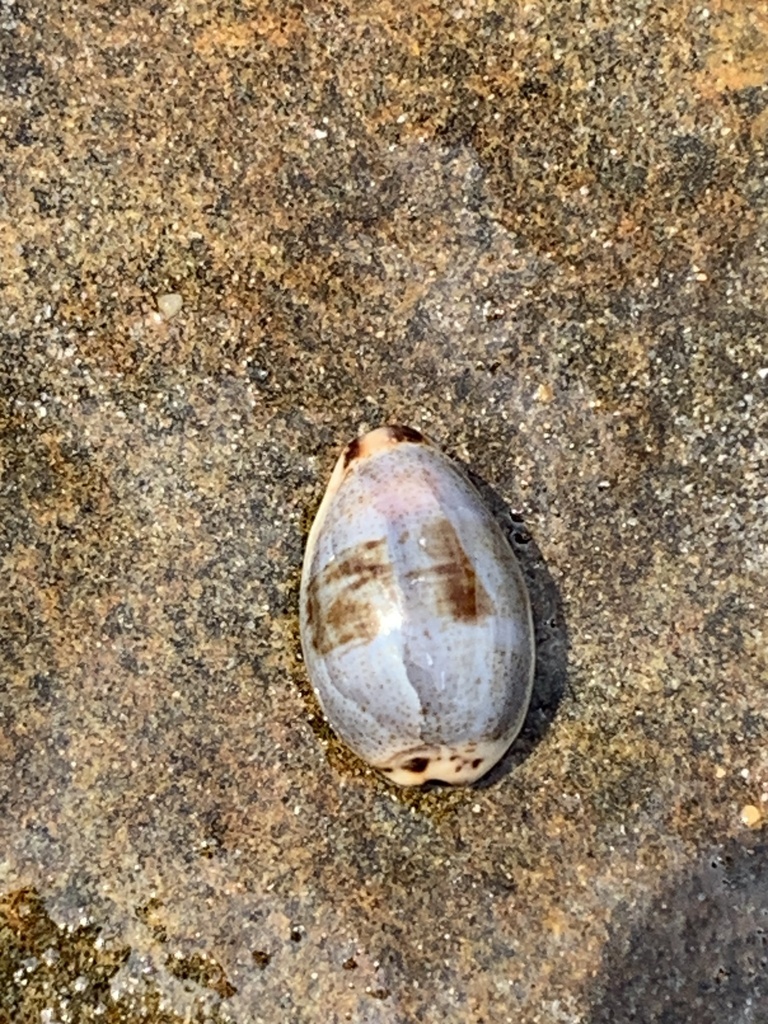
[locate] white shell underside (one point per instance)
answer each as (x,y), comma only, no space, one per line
(415,621)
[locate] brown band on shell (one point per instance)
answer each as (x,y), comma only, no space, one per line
(342,600)
(351,452)
(450,582)
(399,434)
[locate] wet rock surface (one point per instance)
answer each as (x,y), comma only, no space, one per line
(232,236)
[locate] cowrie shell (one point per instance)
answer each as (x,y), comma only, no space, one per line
(415,619)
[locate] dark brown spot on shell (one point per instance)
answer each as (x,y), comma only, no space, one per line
(477,762)
(417,765)
(351,452)
(400,434)
(343,599)
(453,584)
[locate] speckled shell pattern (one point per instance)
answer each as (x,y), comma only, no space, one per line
(415,619)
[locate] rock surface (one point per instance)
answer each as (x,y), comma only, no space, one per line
(538,232)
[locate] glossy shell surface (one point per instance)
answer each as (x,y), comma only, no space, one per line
(415,619)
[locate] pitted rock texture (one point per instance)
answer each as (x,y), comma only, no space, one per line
(537,232)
